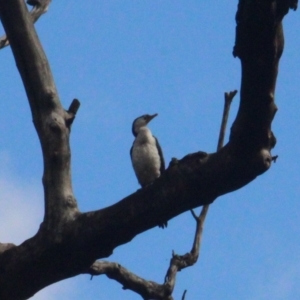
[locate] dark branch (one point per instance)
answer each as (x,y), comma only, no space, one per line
(147,289)
(197,179)
(150,289)
(40,7)
(74,107)
(228,99)
(201,219)
(72,112)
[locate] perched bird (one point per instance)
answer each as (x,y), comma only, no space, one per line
(146,154)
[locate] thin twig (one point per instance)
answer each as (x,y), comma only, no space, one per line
(179,262)
(183,296)
(228,99)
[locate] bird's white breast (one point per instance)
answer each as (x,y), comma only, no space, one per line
(145,158)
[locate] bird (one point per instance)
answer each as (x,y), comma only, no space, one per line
(146,154)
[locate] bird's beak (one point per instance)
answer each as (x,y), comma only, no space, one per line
(151,117)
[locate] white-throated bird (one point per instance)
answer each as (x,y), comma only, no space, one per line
(146,154)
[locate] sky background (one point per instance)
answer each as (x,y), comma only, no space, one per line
(125,58)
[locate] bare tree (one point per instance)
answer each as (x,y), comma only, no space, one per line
(69,242)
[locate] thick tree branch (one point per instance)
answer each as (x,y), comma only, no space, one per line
(259,45)
(50,119)
(39,8)
(69,242)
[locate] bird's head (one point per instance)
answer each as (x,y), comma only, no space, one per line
(140,122)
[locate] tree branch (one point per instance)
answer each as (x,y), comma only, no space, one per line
(146,288)
(149,289)
(50,119)
(195,180)
(39,8)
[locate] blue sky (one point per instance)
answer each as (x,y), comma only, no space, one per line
(126,58)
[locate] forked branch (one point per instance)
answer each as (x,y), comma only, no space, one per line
(197,179)
(150,289)
(39,8)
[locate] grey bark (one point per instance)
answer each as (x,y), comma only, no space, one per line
(68,241)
